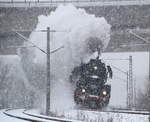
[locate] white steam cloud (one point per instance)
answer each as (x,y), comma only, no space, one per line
(78,27)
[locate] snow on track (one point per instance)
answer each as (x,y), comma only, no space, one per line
(30,113)
(5,118)
(119,110)
(18,113)
(30,116)
(84,115)
(104,116)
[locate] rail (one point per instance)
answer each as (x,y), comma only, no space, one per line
(49,118)
(19,117)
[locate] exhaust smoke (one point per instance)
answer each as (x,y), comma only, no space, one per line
(83,35)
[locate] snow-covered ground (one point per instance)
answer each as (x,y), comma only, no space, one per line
(5,118)
(19,113)
(94,116)
(85,116)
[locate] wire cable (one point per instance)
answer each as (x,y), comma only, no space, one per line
(31,42)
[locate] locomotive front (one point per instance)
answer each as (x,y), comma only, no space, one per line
(91,89)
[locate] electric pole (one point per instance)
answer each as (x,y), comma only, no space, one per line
(48,73)
(128,105)
(131,85)
(48,84)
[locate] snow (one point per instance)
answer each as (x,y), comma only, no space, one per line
(96,115)
(140,74)
(88,116)
(83,115)
(19,113)
(75,43)
(36,113)
(118,83)
(118,95)
(5,118)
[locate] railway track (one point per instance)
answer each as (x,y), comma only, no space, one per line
(9,112)
(49,118)
(23,115)
(30,116)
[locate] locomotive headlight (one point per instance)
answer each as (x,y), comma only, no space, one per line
(83,90)
(104,92)
(95,67)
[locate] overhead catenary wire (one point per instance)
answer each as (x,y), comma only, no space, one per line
(17,47)
(30,42)
(33,45)
(116,59)
(34,31)
(134,45)
(124,72)
(119,69)
(57,49)
(140,37)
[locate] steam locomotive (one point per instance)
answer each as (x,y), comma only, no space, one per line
(90,84)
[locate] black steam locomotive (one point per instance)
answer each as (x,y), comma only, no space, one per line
(91,88)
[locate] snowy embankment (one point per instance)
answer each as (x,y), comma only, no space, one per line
(21,116)
(83,115)
(96,116)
